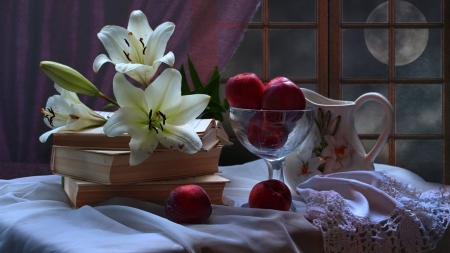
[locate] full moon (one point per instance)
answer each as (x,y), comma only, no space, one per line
(409,43)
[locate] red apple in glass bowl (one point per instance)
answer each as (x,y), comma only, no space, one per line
(188,204)
(282,94)
(270,194)
(244,91)
(266,134)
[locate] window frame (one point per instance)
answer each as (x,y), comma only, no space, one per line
(329,79)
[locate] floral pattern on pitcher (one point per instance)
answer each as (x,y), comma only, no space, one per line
(330,150)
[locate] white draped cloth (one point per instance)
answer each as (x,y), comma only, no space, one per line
(36,216)
(362,211)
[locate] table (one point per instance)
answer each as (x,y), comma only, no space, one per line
(36,217)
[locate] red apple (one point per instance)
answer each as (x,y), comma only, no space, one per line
(270,194)
(264,134)
(282,94)
(188,204)
(244,91)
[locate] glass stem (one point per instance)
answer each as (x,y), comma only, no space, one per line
(276,165)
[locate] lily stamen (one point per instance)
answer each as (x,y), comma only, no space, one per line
(49,115)
(142,41)
(155,121)
(150,119)
(163,116)
(127,55)
(126,41)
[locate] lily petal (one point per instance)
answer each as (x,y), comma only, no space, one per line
(139,72)
(115,43)
(181,138)
(329,152)
(70,97)
(43,138)
(99,61)
(330,166)
(58,88)
(165,92)
(83,118)
(157,42)
(168,59)
(315,162)
(138,25)
(191,107)
(60,108)
(127,120)
(127,95)
(142,149)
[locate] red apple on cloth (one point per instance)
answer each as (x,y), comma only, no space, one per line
(264,134)
(244,91)
(270,194)
(188,204)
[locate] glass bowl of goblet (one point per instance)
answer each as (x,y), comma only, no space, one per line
(272,134)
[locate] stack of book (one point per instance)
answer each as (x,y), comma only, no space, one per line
(96,167)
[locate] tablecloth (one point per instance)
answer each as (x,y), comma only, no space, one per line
(36,216)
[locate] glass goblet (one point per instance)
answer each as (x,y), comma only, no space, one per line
(272,134)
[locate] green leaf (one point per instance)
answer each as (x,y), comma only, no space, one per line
(185,89)
(226,104)
(336,126)
(210,115)
(215,107)
(108,106)
(212,87)
(321,168)
(327,119)
(194,76)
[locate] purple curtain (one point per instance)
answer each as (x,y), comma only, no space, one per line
(66,32)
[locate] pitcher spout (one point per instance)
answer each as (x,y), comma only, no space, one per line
(317,100)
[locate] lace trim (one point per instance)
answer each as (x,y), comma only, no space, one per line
(416,226)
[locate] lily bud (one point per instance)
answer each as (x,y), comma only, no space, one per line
(68,78)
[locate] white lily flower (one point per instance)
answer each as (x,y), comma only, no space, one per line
(138,50)
(158,114)
(336,155)
(67,112)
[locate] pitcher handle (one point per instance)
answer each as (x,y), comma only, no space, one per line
(370,157)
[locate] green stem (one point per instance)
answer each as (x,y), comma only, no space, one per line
(100,94)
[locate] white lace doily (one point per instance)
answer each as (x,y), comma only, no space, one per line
(416,224)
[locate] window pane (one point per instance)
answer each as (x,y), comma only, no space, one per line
(418,53)
(365,53)
(383,156)
(292,11)
(418,109)
(308,86)
(423,157)
(371,116)
(417,11)
(293,53)
(248,56)
(257,17)
(372,11)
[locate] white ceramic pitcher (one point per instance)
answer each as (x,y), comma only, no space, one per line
(333,144)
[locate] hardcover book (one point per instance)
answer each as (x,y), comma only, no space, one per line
(112,166)
(210,132)
(88,193)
